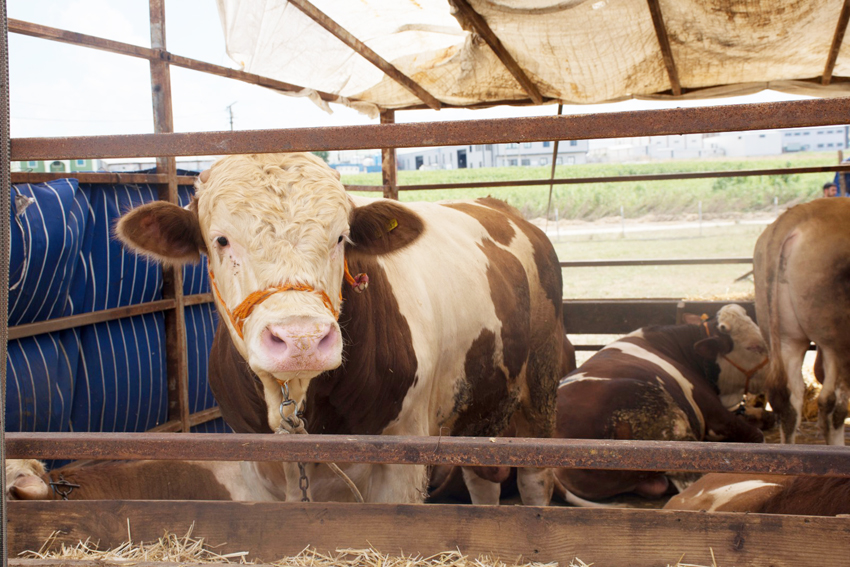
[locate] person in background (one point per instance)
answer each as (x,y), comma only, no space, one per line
(830,189)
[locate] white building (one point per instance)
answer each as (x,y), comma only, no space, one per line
(494,155)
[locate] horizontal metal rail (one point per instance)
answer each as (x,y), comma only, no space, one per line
(196,418)
(100,177)
(814,112)
(617,178)
(654,262)
(83,319)
(83,40)
(391,449)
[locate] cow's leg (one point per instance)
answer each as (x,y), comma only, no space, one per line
(535,485)
(481,490)
(832,401)
(786,387)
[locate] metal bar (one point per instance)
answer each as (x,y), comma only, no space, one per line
(837,40)
(176,357)
(83,40)
(371,188)
(72,321)
(664,43)
(363,50)
(795,114)
(480,25)
(197,299)
(100,178)
(654,262)
(389,164)
(552,174)
(5,209)
(197,418)
(479,451)
(626,178)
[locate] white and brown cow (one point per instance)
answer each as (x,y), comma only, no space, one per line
(25,480)
(801,267)
(460,330)
(663,383)
(765,494)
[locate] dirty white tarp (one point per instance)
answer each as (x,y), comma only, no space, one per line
(575,51)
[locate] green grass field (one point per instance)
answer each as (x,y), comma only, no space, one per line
(598,200)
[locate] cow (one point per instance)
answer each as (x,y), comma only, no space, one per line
(801,267)
(765,494)
(135,480)
(452,325)
(661,383)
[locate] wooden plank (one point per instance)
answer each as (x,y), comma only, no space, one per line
(366,52)
(607,454)
(270,531)
(389,165)
(98,177)
(480,25)
(621,316)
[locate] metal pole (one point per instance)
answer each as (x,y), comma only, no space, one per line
(176,355)
(552,174)
(842,183)
(389,168)
(5,204)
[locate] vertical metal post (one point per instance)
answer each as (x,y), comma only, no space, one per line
(389,171)
(5,205)
(177,363)
(552,174)
(842,183)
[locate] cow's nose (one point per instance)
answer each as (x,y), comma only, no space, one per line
(300,346)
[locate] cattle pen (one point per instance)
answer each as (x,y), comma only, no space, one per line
(273,530)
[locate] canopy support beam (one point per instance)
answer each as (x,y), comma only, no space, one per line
(480,25)
(362,49)
(664,42)
(837,40)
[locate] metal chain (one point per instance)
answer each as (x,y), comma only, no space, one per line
(303,482)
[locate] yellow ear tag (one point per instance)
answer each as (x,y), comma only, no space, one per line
(391,224)
(704,317)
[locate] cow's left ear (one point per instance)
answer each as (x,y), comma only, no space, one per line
(163,231)
(712,347)
(383,226)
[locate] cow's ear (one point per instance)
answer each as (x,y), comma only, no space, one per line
(712,347)
(383,226)
(163,231)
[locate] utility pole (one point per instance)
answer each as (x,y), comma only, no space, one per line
(229,109)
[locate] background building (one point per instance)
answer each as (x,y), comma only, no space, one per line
(493,155)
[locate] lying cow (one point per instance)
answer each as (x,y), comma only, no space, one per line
(766,494)
(660,383)
(460,330)
(135,480)
(801,268)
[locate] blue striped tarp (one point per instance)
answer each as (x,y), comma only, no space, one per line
(65,261)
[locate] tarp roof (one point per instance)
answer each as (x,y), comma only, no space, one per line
(571,51)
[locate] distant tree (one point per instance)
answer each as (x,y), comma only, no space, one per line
(323,154)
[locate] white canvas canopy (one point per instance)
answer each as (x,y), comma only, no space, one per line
(573,51)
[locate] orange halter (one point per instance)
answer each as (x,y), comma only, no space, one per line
(747,373)
(244,309)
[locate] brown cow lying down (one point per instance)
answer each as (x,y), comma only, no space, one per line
(801,267)
(136,480)
(459,332)
(766,494)
(660,383)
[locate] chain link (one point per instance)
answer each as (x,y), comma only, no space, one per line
(303,482)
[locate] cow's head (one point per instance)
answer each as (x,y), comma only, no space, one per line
(739,349)
(275,228)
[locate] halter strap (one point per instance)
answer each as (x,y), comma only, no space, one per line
(747,373)
(244,309)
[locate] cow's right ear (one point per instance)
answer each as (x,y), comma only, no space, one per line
(383,227)
(163,231)
(712,347)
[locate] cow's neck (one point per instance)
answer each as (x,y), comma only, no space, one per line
(677,342)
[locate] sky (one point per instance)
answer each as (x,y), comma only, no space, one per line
(63,90)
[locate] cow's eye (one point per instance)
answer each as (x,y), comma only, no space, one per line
(222,241)
(340,239)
